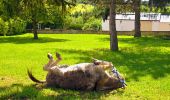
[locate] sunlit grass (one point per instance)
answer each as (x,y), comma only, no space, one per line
(145,63)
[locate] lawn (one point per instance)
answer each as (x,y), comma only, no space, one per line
(145,63)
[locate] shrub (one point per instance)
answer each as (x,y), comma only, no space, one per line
(92,24)
(3,27)
(11,27)
(74,23)
(16,26)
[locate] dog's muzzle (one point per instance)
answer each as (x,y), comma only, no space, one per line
(117,74)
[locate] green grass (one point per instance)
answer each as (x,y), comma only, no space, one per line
(145,63)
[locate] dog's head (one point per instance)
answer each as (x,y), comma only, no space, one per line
(110,82)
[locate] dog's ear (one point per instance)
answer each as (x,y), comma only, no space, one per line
(96,61)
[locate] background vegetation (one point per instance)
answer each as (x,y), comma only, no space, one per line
(81,16)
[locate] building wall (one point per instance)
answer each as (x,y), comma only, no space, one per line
(105,25)
(146,25)
(128,25)
(121,25)
(164,26)
(125,25)
(155,25)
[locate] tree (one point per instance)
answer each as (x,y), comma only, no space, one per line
(36,10)
(136,6)
(162,4)
(33,11)
(110,8)
(112,23)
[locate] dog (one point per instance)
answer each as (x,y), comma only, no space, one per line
(83,76)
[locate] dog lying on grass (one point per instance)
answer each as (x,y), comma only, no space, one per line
(83,76)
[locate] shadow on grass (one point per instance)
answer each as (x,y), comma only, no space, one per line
(143,41)
(24,40)
(133,62)
(18,91)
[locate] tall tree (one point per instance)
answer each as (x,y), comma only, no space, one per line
(33,10)
(112,23)
(136,6)
(110,8)
(162,4)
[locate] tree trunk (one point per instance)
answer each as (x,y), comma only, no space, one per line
(137,18)
(34,24)
(112,24)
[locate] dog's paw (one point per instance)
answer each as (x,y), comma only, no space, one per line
(58,56)
(49,56)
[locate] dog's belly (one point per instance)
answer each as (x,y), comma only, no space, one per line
(75,67)
(76,77)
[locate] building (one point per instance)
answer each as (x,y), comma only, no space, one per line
(149,22)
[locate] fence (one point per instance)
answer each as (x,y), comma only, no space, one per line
(56,31)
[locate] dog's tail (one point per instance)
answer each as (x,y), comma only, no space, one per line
(33,78)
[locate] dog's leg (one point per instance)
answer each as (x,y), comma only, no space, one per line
(51,66)
(57,61)
(50,62)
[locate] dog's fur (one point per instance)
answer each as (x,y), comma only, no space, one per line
(83,76)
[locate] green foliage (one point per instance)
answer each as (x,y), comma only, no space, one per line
(74,22)
(159,3)
(167,11)
(3,27)
(11,27)
(53,18)
(81,8)
(77,16)
(33,9)
(9,8)
(16,26)
(44,10)
(83,17)
(145,8)
(92,24)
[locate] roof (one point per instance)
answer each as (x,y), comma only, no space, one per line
(144,16)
